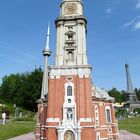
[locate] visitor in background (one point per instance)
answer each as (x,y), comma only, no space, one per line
(3,118)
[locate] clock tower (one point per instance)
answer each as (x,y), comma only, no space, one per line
(71,7)
(72,108)
(71,34)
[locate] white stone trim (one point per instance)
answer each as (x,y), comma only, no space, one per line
(113,134)
(97,117)
(114,124)
(69,124)
(98,135)
(100,104)
(107,107)
(71,70)
(38,134)
(64,127)
(103,138)
(50,126)
(110,130)
(88,126)
(81,76)
(51,77)
(53,120)
(86,120)
(57,77)
(67,105)
(86,76)
(106,126)
(101,128)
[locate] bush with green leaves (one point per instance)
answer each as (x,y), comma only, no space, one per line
(24,119)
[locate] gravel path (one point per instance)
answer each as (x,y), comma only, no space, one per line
(124,135)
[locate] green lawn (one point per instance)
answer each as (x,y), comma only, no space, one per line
(132,125)
(16,128)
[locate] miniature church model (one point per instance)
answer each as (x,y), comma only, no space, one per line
(71,107)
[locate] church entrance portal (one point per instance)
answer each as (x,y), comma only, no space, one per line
(69,135)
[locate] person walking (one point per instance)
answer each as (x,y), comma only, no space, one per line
(3,118)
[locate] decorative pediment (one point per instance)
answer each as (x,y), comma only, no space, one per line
(70,33)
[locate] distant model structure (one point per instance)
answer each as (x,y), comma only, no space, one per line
(132,100)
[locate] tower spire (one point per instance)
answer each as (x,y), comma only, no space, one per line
(48,36)
(132,97)
(46,53)
(128,78)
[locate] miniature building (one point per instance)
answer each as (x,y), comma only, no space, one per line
(132,101)
(71,108)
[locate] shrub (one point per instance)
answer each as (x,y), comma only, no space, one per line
(24,119)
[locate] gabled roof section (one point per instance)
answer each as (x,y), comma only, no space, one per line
(101,94)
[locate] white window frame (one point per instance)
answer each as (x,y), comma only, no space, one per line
(68,105)
(96,117)
(97,135)
(108,108)
(67,84)
(69,90)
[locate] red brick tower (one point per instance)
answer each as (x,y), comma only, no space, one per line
(70,107)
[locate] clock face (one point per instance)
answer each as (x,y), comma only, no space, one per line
(70,8)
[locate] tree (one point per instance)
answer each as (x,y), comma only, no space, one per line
(119,96)
(22,89)
(137,91)
(33,89)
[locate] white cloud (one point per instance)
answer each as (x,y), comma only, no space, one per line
(109,10)
(138,4)
(129,23)
(137,26)
(134,24)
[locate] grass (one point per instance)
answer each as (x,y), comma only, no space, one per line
(16,128)
(132,125)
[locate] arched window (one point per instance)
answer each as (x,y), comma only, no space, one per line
(108,115)
(69,91)
(70,55)
(69,135)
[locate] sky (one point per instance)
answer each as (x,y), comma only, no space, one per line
(113,38)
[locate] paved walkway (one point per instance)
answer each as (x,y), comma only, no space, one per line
(29,136)
(124,135)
